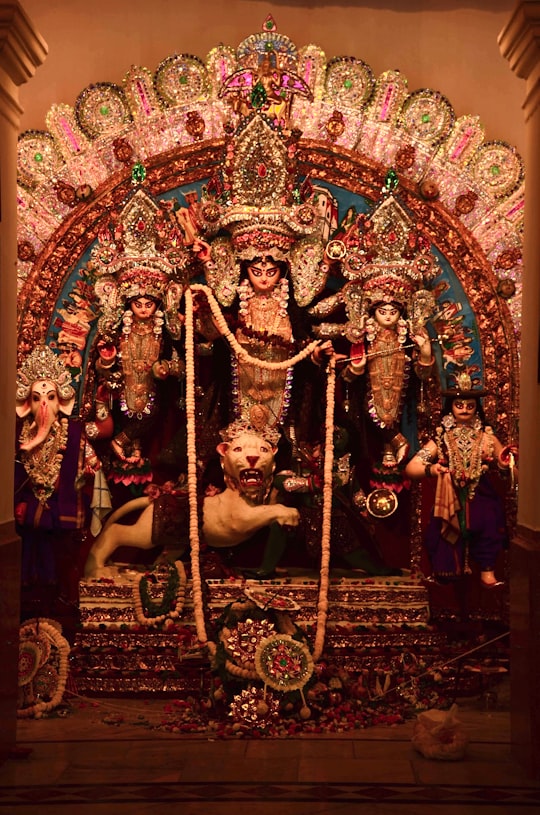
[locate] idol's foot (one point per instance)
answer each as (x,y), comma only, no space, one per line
(489,581)
(495,584)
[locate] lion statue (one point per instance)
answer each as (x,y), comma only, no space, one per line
(229,517)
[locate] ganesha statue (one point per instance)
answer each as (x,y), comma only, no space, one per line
(53,460)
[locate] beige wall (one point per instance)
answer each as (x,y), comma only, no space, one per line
(446,45)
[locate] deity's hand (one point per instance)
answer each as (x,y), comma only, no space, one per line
(201,249)
(357,362)
(107,353)
(421,339)
(160,369)
(507,454)
(322,352)
(91,465)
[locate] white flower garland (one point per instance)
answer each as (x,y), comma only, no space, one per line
(194,539)
(322,605)
(240,352)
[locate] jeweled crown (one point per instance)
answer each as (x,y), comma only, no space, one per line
(386,254)
(43,363)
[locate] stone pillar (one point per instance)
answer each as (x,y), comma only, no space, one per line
(22,50)
(520,45)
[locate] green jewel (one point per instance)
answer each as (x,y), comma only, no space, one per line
(495,169)
(258,96)
(269,46)
(391,181)
(183,79)
(138,173)
(104,110)
(348,84)
(38,157)
(425,118)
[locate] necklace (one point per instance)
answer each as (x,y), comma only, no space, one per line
(466,449)
(139,350)
(388,374)
(266,313)
(43,463)
(153,612)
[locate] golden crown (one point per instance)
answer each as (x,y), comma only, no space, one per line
(386,253)
(42,363)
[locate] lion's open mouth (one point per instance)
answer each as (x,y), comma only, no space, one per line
(251,477)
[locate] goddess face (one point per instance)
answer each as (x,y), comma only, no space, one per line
(263,274)
(143,307)
(464,410)
(387,315)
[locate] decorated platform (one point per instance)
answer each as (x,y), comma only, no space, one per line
(120,648)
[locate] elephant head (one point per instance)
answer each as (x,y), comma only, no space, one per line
(43,391)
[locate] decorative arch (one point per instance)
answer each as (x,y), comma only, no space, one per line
(465,191)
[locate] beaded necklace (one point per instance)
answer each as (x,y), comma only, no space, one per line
(43,463)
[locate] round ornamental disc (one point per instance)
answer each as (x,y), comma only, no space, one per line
(29,661)
(428,115)
(349,82)
(180,79)
(497,167)
(381,503)
(38,158)
(283,663)
(102,109)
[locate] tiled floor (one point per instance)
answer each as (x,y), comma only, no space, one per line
(80,764)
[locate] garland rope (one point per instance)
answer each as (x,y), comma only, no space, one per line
(194,538)
(240,352)
(322,604)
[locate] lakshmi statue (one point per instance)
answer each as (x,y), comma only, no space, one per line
(138,329)
(134,364)
(468,520)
